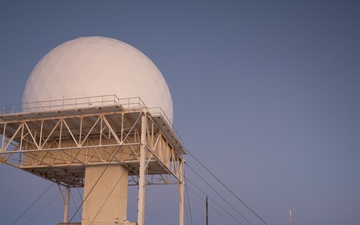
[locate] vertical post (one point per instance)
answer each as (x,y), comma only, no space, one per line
(207,211)
(181,193)
(291,222)
(21,141)
(142,172)
(67,204)
(3,138)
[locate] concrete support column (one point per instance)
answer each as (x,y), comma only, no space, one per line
(142,173)
(105,195)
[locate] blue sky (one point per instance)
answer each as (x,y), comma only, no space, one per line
(265,95)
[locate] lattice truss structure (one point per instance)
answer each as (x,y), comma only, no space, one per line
(58,145)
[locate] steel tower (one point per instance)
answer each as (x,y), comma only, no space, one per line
(101,143)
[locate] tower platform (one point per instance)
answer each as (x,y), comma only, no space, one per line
(56,140)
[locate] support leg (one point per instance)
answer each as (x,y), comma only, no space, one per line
(142,173)
(181,194)
(67,204)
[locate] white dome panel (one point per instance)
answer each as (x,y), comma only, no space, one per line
(96,66)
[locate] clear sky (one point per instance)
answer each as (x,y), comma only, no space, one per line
(265,96)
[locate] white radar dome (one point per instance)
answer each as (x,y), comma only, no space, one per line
(98,66)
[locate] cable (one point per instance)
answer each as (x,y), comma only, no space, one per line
(228,189)
(187,213)
(33,203)
(187,196)
(216,193)
(214,201)
(72,197)
(43,208)
(214,208)
(219,194)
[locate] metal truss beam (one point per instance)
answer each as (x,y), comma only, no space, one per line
(68,140)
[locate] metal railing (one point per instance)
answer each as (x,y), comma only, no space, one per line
(73,103)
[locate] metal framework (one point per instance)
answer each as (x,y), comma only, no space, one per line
(58,144)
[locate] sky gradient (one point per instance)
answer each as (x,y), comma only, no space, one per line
(265,95)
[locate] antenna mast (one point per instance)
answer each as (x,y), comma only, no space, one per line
(207,211)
